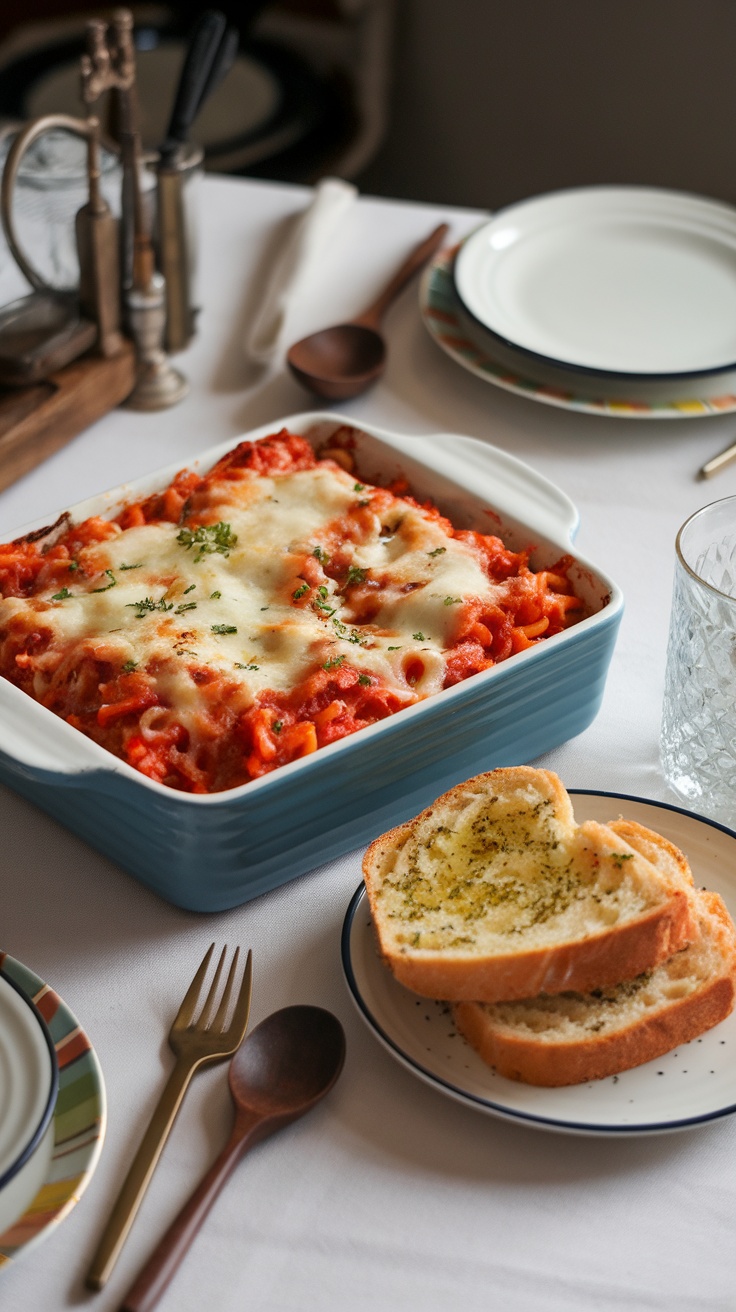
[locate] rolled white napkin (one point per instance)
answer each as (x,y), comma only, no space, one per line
(307,239)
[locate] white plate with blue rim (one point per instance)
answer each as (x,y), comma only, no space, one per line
(633,282)
(29,1079)
(54,1174)
(693,1085)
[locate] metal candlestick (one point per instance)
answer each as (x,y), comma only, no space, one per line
(111,64)
(158,384)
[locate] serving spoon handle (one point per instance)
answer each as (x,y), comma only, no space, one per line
(372,317)
(161,1266)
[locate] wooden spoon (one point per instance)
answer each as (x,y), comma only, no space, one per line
(290,1061)
(344,360)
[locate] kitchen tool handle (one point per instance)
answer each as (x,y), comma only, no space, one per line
(138,1178)
(719,462)
(24,140)
(203,46)
(372,317)
(168,1254)
(222,63)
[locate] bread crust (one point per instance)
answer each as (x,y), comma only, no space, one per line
(555,1063)
(596,962)
(599,959)
(594,1059)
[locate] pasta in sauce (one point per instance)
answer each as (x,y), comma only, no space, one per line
(243,618)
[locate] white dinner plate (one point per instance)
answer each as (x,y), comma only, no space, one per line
(28,1078)
(633,281)
(58,1171)
(690,1086)
(480,352)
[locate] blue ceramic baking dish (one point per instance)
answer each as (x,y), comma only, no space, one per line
(210,852)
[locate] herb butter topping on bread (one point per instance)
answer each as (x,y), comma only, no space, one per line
(495,893)
(577,1037)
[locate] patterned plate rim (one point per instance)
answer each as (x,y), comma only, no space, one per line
(442,314)
(79,1117)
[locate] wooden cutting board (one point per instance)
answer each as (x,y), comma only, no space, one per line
(35,421)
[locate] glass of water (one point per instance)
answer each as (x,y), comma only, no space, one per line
(698,743)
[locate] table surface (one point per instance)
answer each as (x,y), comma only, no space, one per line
(389,1195)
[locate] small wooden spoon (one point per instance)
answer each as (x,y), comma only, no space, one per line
(344,360)
(290,1061)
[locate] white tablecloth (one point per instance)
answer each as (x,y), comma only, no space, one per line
(389,1195)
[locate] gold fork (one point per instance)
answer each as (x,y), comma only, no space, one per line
(196,1043)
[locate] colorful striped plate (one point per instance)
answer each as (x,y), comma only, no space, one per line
(476,350)
(56,1176)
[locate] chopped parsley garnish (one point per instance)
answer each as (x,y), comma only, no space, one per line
(452,601)
(437,551)
(73,564)
(300,591)
(223,628)
(393,649)
(185,605)
(364,503)
(208,538)
(215,596)
(129,666)
(191,588)
(61,596)
(321,555)
(419,637)
(277,726)
(109,585)
(359,487)
(333,663)
(239,666)
(148,604)
(363,680)
(130,566)
(355,575)
(618,858)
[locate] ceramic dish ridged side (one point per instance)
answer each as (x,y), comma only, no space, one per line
(211,852)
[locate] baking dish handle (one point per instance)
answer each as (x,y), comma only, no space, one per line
(509,483)
(37,743)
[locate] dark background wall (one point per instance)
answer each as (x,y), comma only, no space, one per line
(494,100)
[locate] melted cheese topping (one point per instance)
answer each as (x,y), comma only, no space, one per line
(245,611)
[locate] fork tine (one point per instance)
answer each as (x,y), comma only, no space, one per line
(191,998)
(239,1023)
(202,1022)
(218,1023)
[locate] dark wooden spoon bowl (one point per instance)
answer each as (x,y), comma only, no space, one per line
(341,362)
(289,1062)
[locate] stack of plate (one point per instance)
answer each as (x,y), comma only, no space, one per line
(52,1109)
(612,300)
